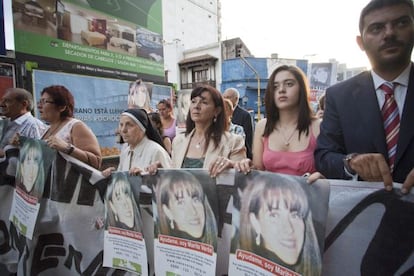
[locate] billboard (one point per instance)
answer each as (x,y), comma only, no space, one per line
(98,101)
(122,35)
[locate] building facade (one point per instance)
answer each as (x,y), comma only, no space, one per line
(191,41)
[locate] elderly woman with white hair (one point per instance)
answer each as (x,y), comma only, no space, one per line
(144,143)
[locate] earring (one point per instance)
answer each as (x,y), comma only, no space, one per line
(172,224)
(215,119)
(258,239)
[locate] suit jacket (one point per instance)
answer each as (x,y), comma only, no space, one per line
(352,123)
(231,146)
(242,117)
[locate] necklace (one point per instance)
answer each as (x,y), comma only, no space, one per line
(287,141)
(53,131)
(199,143)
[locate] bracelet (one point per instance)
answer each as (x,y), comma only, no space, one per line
(69,149)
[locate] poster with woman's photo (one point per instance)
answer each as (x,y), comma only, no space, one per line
(182,105)
(35,159)
(185,213)
(279,225)
(140,94)
(321,75)
(146,95)
(124,244)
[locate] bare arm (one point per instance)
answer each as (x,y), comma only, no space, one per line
(258,145)
(86,145)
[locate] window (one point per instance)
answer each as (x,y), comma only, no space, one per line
(200,74)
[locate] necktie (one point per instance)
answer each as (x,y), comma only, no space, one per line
(391,119)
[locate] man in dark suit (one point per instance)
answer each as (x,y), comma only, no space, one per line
(241,117)
(352,141)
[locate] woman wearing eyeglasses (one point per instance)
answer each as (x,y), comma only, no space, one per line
(65,133)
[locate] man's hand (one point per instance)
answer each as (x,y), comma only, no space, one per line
(373,167)
(408,182)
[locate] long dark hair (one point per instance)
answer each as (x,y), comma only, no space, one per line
(156,122)
(219,124)
(272,111)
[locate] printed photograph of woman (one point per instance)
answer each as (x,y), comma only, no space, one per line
(30,174)
(183,208)
(276,223)
(139,96)
(320,75)
(120,206)
(181,107)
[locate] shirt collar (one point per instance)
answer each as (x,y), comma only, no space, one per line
(402,79)
(21,119)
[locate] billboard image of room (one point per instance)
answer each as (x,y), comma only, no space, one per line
(124,34)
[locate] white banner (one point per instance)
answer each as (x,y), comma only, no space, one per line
(368,231)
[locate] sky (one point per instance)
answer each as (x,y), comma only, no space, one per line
(317,30)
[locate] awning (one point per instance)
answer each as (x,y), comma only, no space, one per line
(197,59)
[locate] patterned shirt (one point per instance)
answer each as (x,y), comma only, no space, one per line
(25,125)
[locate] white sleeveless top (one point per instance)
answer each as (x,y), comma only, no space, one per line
(65,132)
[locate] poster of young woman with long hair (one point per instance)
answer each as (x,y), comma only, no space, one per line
(275,231)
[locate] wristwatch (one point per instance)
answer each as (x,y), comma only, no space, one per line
(347,159)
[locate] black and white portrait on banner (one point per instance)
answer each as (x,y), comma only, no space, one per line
(279,224)
(124,244)
(185,215)
(320,75)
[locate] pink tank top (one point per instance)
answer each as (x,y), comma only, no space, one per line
(293,163)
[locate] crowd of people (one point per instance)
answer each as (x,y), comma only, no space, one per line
(345,139)
(350,138)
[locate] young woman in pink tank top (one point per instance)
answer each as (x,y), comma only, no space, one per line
(285,140)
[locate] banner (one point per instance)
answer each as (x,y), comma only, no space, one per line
(368,231)
(35,159)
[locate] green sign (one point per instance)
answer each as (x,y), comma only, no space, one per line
(120,34)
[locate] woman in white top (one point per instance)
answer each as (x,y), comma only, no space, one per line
(144,143)
(65,133)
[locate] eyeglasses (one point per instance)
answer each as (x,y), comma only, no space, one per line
(44,101)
